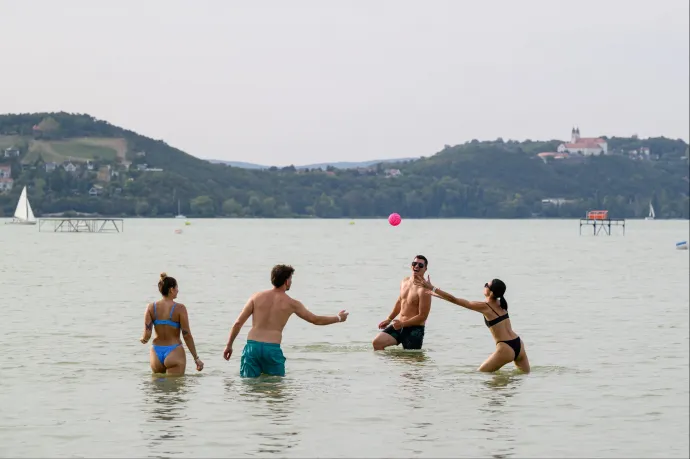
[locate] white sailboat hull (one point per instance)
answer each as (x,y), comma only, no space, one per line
(16,221)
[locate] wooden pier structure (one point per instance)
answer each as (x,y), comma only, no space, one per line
(600,220)
(82,225)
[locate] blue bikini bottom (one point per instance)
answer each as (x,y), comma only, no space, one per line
(163,351)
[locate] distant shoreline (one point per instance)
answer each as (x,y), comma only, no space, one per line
(311,217)
(75,164)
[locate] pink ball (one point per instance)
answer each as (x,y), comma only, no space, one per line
(394,219)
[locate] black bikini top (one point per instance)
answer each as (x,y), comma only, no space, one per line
(499,318)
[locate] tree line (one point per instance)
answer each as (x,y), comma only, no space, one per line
(493,179)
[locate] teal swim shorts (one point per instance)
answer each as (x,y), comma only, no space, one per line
(258,357)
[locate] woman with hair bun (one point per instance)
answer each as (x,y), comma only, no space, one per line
(169,318)
(509,346)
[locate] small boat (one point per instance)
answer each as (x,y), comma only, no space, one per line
(23,214)
(682,245)
(179,215)
(651,215)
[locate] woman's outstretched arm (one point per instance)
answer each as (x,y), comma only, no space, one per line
(473,305)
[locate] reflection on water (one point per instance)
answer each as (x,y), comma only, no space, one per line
(414,380)
(503,386)
(271,401)
(407,356)
(166,399)
(404,356)
(502,380)
(500,387)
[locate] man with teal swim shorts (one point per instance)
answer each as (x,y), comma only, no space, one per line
(270,311)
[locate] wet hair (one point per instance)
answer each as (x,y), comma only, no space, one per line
(498,288)
(280,274)
(422,257)
(166,283)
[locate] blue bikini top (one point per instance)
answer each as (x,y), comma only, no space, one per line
(165,321)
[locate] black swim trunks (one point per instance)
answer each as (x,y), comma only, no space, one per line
(410,337)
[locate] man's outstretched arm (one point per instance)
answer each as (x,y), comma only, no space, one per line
(237,326)
(305,314)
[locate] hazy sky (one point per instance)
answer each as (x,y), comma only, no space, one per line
(289,81)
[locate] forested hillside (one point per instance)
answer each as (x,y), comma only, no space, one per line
(75,163)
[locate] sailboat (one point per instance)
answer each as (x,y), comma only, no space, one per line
(23,215)
(179,215)
(651,215)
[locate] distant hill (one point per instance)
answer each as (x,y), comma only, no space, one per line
(477,179)
(239,164)
(76,150)
(56,137)
(336,165)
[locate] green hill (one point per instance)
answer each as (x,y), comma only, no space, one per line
(80,149)
(136,175)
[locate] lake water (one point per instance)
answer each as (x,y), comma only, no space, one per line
(604,319)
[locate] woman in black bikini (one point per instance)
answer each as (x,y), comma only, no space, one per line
(509,346)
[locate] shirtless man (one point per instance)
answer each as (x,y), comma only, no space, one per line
(271,310)
(413,305)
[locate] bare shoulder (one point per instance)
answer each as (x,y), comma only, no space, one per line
(421,291)
(257,296)
(481,306)
(180,307)
(294,303)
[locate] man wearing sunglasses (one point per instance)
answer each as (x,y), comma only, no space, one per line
(413,306)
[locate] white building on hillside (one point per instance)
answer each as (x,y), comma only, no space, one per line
(587,146)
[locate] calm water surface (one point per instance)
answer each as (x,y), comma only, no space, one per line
(604,319)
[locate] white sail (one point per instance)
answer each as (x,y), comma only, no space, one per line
(651,211)
(23,212)
(179,215)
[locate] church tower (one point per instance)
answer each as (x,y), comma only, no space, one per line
(575,135)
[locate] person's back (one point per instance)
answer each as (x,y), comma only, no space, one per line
(169,319)
(166,326)
(270,311)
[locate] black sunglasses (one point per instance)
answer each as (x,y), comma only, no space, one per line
(417,263)
(487,286)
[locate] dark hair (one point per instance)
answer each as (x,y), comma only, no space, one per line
(280,274)
(166,283)
(498,288)
(422,257)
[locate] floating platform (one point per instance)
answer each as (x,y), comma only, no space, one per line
(599,220)
(82,225)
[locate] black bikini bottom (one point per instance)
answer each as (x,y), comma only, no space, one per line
(515,345)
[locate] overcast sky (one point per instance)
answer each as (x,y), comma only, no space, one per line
(291,81)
